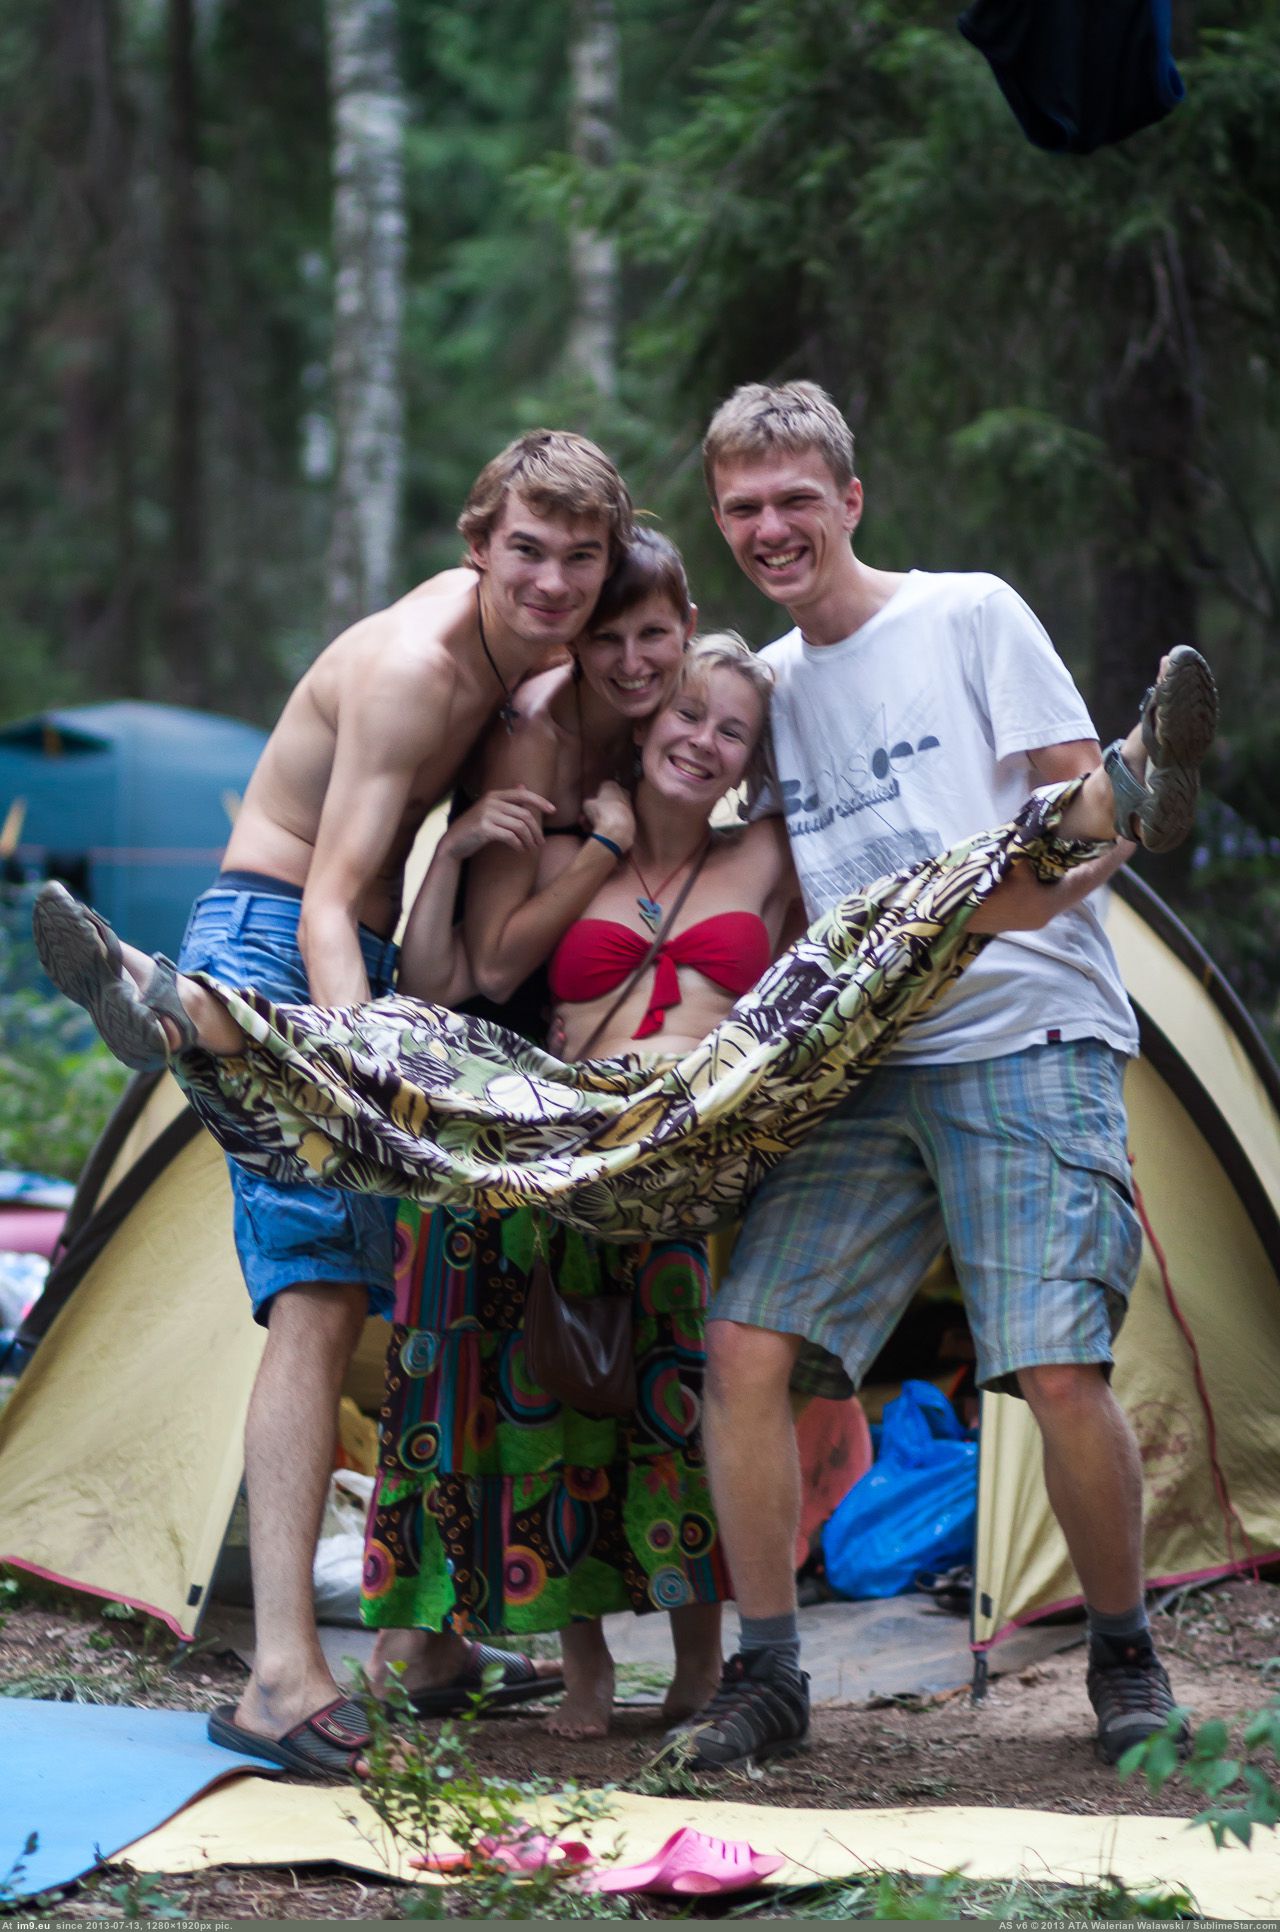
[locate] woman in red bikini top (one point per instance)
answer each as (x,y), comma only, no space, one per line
(703,742)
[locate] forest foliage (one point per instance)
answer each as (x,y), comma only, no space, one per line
(1064,370)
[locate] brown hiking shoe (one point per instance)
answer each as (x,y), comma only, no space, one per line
(1129,1689)
(760,1711)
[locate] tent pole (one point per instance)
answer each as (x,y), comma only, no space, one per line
(978,1688)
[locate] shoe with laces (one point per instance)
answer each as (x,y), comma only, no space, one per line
(1129,1689)
(760,1711)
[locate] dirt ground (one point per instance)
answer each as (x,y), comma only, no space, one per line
(1029,1744)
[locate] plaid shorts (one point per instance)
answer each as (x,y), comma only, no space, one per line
(1017,1164)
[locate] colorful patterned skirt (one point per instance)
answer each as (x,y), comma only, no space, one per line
(396,1097)
(498,1508)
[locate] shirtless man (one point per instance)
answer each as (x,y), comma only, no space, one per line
(371,739)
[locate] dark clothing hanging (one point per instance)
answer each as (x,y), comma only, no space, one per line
(1078,73)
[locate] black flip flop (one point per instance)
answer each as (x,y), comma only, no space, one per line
(325,1745)
(519,1683)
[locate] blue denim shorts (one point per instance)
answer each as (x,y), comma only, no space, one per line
(290,1236)
(1017,1164)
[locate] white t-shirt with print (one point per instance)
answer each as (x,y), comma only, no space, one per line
(911,735)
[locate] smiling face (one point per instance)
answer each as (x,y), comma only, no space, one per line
(541,574)
(631,660)
(699,745)
(788,523)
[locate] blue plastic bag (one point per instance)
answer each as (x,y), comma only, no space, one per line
(915,1509)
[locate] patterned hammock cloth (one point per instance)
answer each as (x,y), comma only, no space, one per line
(400,1098)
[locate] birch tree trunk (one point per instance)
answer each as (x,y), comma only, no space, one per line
(369,252)
(595,75)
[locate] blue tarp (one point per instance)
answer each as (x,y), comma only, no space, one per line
(915,1509)
(89,1779)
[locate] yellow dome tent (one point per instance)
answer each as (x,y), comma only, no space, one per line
(1198,1360)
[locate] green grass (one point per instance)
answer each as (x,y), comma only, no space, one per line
(950,1896)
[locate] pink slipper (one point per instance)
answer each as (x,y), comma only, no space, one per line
(528,1852)
(692,1862)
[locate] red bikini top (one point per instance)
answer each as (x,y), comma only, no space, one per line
(594,957)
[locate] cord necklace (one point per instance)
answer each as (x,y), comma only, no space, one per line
(650,903)
(507,710)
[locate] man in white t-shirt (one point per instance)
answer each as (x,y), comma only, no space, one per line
(911,711)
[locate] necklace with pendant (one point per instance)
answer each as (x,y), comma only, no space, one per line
(650,903)
(507,710)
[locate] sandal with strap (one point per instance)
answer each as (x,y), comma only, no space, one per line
(330,1743)
(1179,717)
(519,1681)
(83,958)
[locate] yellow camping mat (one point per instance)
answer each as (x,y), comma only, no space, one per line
(262,1821)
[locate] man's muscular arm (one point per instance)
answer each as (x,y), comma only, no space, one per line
(391,721)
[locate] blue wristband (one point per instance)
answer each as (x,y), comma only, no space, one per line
(617,850)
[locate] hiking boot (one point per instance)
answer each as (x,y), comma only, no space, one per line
(760,1711)
(1129,1689)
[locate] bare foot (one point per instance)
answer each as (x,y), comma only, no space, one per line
(428,1658)
(271,1713)
(690,1692)
(586,1708)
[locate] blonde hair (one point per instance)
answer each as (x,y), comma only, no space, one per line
(761,417)
(726,651)
(558,473)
